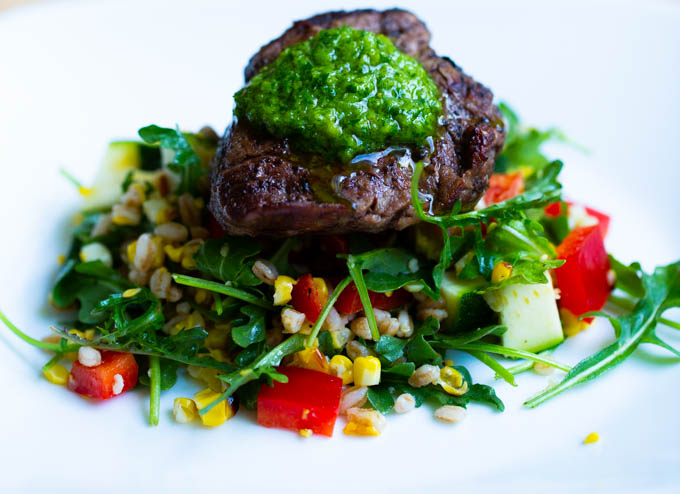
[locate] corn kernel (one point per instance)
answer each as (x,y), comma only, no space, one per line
(452,381)
(360,429)
(61,258)
(366,371)
(322,288)
(131,292)
(57,374)
(184,410)
(131,251)
(305,432)
(141,191)
(501,272)
(342,367)
(340,337)
(283,288)
(448,363)
(201,296)
(85,191)
(571,325)
(310,358)
(83,335)
(591,438)
(174,253)
(219,414)
(188,261)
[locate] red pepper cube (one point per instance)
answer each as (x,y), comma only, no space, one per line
(582,280)
(100,382)
(349,301)
(503,186)
(309,400)
(307,298)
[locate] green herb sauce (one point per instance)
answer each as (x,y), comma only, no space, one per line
(342,93)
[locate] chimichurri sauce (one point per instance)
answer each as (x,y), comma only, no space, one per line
(341,93)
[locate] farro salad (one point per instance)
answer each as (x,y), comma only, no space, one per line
(179,261)
(356,325)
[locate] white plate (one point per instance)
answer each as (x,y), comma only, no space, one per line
(73,76)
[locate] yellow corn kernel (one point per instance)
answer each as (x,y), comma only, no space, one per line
(448,363)
(174,253)
(184,410)
(88,334)
(501,272)
(310,358)
(130,252)
(340,337)
(131,292)
(201,296)
(452,381)
(571,325)
(591,438)
(61,258)
(366,371)
(219,354)
(305,432)
(85,191)
(188,261)
(342,367)
(123,220)
(283,288)
(141,190)
(322,288)
(217,338)
(360,429)
(57,374)
(165,215)
(219,414)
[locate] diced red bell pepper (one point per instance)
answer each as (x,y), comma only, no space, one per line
(307,298)
(555,209)
(349,302)
(309,400)
(582,279)
(100,382)
(503,186)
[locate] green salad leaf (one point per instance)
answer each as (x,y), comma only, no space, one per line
(253,330)
(230,259)
(185,161)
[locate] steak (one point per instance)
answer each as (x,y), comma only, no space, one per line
(261,186)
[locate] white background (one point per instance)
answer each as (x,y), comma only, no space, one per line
(75,75)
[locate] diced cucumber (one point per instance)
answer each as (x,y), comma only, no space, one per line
(467,310)
(530,314)
(121,157)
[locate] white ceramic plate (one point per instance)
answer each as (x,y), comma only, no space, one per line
(75,75)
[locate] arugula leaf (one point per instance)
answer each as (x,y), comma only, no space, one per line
(253,331)
(390,348)
(391,268)
(418,350)
(230,259)
(89,283)
(185,161)
(380,398)
(133,325)
(224,289)
(661,292)
(263,365)
(167,373)
(405,369)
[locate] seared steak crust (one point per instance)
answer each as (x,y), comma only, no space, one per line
(261,187)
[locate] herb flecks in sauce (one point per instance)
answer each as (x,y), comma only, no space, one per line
(342,93)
